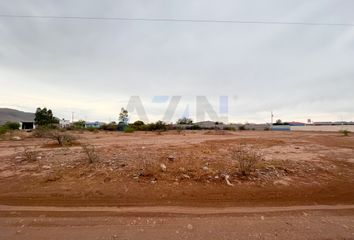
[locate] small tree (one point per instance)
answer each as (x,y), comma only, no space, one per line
(123,119)
(44,117)
(278,122)
(123,115)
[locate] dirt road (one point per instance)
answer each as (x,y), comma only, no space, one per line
(297,222)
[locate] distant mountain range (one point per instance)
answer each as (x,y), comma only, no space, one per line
(13,115)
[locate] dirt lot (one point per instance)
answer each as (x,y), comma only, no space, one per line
(298,169)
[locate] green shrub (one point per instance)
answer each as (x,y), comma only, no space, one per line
(229,128)
(129,129)
(194,127)
(92,129)
(79,124)
(159,125)
(242,128)
(8,126)
(138,125)
(3,130)
(345,132)
(121,126)
(12,125)
(110,127)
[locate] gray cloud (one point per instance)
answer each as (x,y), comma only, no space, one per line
(93,67)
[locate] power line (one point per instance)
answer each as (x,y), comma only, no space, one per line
(174,20)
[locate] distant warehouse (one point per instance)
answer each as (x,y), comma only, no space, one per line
(286,126)
(316,126)
(325,127)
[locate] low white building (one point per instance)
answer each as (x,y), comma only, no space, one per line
(27,125)
(64,123)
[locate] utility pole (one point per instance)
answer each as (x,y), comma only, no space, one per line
(271,120)
(72,117)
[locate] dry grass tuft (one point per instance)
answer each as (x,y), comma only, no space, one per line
(247,158)
(62,138)
(30,155)
(345,132)
(90,152)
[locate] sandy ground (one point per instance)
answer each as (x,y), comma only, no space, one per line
(305,222)
(299,169)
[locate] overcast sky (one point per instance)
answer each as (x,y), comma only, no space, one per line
(92,67)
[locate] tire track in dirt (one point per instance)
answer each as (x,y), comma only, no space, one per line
(175,209)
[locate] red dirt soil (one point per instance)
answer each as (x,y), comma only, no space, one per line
(299,169)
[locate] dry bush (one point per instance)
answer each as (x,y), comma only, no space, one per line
(159,132)
(30,155)
(41,132)
(246,157)
(184,165)
(90,152)
(189,164)
(345,132)
(148,165)
(63,139)
(150,168)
